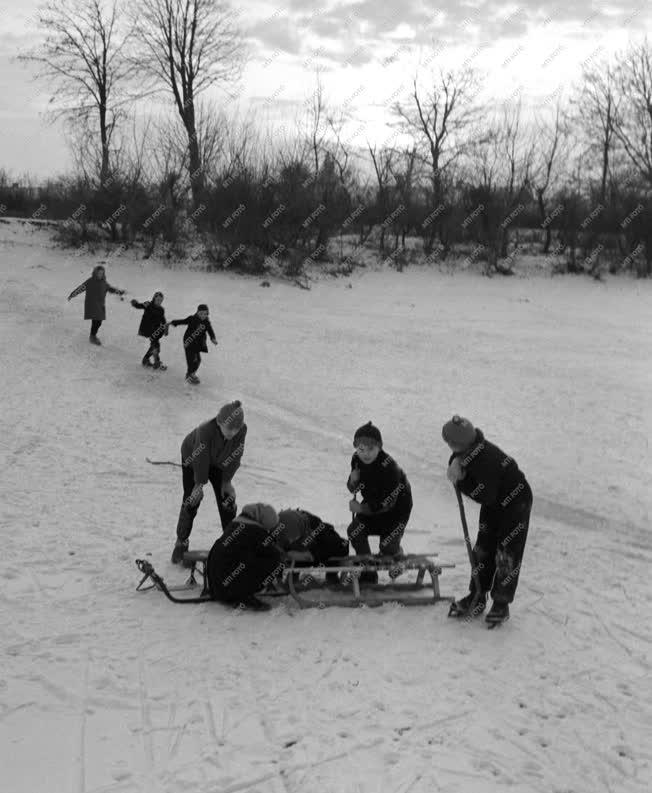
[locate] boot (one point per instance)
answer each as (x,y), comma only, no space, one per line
(252,603)
(180,547)
(368,577)
(94,340)
(462,607)
(499,612)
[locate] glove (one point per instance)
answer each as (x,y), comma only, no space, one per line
(228,490)
(357,508)
(455,471)
(213,341)
(354,477)
(133,302)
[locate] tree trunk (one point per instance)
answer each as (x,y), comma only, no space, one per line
(605,171)
(195,167)
(542,212)
(504,242)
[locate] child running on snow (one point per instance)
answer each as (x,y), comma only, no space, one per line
(386,497)
(484,473)
(194,339)
(153,326)
(95,289)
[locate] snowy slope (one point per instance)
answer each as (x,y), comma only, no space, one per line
(104,690)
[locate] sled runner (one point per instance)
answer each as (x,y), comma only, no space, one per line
(299,581)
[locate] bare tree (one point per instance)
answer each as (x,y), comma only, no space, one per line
(633,116)
(187,47)
(596,108)
(405,173)
(439,119)
(382,162)
(83,58)
(552,136)
(503,183)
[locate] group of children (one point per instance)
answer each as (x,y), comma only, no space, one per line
(250,551)
(254,544)
(153,324)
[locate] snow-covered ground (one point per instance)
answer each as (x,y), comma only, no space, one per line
(105,690)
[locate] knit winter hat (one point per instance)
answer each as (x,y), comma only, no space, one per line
(294,524)
(368,433)
(458,432)
(157,294)
(231,415)
(263,514)
(202,307)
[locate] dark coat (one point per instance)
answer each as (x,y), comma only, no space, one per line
(242,560)
(299,530)
(95,290)
(153,324)
(492,478)
(194,338)
(383,485)
(205,447)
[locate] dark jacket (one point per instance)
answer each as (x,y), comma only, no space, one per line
(205,447)
(242,560)
(492,478)
(383,484)
(300,530)
(95,290)
(195,336)
(153,324)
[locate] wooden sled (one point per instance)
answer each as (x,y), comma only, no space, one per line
(305,583)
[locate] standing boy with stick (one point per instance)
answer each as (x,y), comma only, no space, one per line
(484,473)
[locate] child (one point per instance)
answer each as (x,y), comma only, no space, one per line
(95,289)
(487,475)
(300,530)
(153,326)
(194,339)
(386,497)
(212,452)
(245,558)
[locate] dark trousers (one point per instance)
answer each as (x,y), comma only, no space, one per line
(193,359)
(95,326)
(389,526)
(225,506)
(154,349)
(499,548)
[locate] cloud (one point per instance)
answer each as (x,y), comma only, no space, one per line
(276,33)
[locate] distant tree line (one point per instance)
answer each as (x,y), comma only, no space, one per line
(572,182)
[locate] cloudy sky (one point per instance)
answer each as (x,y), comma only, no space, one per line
(367,52)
